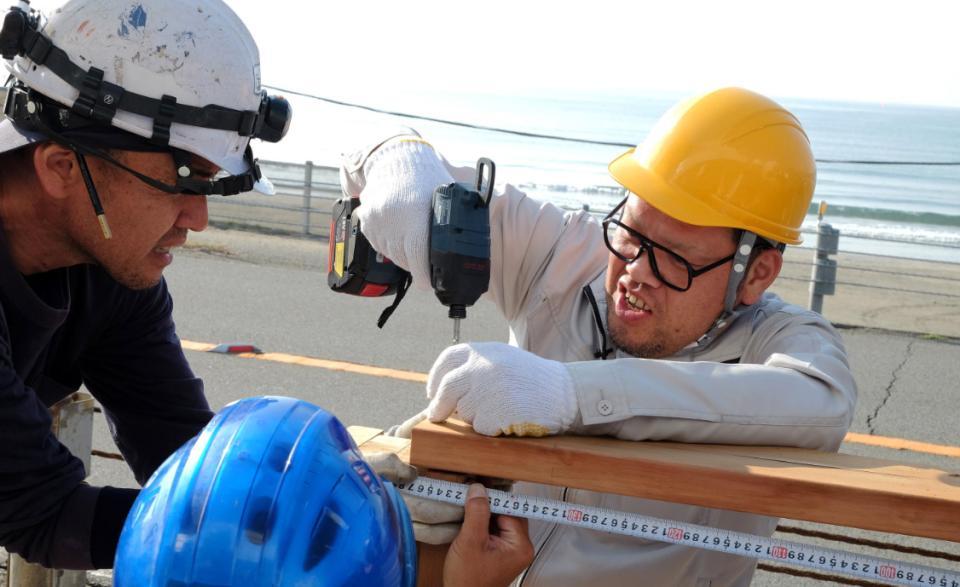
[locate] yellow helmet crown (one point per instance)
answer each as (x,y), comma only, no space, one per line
(730,157)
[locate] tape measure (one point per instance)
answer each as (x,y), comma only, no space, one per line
(726,541)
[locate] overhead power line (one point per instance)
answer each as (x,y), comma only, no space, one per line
(534,135)
(453,122)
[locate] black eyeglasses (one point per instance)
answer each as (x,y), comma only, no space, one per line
(670,268)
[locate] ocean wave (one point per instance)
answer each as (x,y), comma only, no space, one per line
(928,235)
(889,215)
(566,194)
(858,228)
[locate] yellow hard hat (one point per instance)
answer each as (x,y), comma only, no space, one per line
(730,157)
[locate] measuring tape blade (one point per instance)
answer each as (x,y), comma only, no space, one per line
(725,541)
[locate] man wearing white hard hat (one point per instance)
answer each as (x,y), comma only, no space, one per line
(653,324)
(120,118)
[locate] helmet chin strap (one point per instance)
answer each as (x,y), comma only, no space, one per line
(740,261)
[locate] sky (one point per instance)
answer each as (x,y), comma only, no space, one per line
(874,51)
(377,52)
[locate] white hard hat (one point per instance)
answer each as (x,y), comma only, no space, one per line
(181,73)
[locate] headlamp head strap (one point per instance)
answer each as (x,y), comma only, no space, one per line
(32,111)
(161,124)
(223,186)
(100,100)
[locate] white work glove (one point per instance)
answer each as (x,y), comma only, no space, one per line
(395,181)
(501,389)
(405,429)
(435,522)
(389,466)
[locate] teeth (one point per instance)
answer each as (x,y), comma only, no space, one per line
(635,302)
(162,250)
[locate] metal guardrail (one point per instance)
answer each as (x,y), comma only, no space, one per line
(304,197)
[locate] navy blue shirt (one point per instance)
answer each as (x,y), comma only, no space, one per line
(58,330)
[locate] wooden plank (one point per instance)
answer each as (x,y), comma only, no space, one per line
(361,434)
(800,484)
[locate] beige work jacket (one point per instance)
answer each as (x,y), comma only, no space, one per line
(776,374)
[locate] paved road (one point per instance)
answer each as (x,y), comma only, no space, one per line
(272,292)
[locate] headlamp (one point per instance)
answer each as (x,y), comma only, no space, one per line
(273,119)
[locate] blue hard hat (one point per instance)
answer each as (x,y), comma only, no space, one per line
(273,491)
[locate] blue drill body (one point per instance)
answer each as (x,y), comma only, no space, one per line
(460,243)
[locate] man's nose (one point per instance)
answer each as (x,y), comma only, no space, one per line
(641,271)
(193,214)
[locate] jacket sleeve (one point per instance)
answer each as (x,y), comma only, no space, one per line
(137,371)
(536,246)
(797,390)
(48,515)
(46,511)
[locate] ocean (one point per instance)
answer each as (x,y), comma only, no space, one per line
(899,210)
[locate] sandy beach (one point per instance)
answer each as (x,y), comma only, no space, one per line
(881,292)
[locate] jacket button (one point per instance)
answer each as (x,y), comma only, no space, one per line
(604,407)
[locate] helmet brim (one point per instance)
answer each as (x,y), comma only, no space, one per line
(676,203)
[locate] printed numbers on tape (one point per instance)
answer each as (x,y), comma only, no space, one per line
(759,547)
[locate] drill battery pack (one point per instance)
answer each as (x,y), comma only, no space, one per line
(353,266)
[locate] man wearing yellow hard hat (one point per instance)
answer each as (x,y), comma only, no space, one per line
(653,324)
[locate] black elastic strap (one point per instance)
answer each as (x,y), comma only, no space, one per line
(224,186)
(36,46)
(602,350)
(401,291)
(113,505)
(98,100)
(161,122)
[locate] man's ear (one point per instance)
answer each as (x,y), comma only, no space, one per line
(763,270)
(57,169)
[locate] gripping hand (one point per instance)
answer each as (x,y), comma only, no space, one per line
(501,389)
(395,181)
